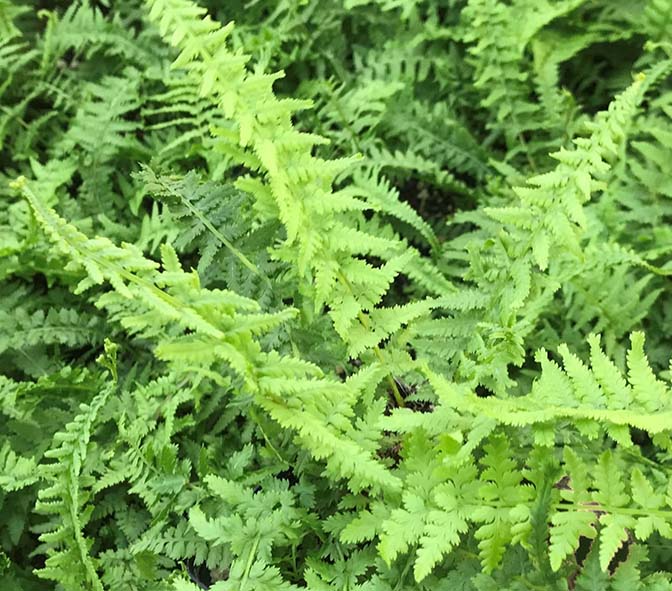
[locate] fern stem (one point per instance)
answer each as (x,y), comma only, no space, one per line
(402,577)
(215,232)
(398,398)
(102,262)
(250,561)
(255,418)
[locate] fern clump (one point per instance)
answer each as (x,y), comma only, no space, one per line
(343,296)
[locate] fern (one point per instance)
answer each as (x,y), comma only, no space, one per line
(497,61)
(497,496)
(301,193)
(313,301)
(216,334)
(25,329)
(260,523)
(17,472)
(9,12)
(69,561)
(73,31)
(100,130)
(585,394)
(203,205)
(610,507)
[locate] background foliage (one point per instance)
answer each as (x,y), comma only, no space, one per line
(350,295)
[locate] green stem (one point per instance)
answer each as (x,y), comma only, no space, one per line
(215,232)
(250,561)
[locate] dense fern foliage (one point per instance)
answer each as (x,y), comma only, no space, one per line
(348,295)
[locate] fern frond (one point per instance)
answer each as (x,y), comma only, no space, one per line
(501,69)
(69,562)
(65,326)
(575,393)
(86,30)
(8,12)
(201,209)
(609,512)
(297,181)
(147,301)
(102,129)
(16,472)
